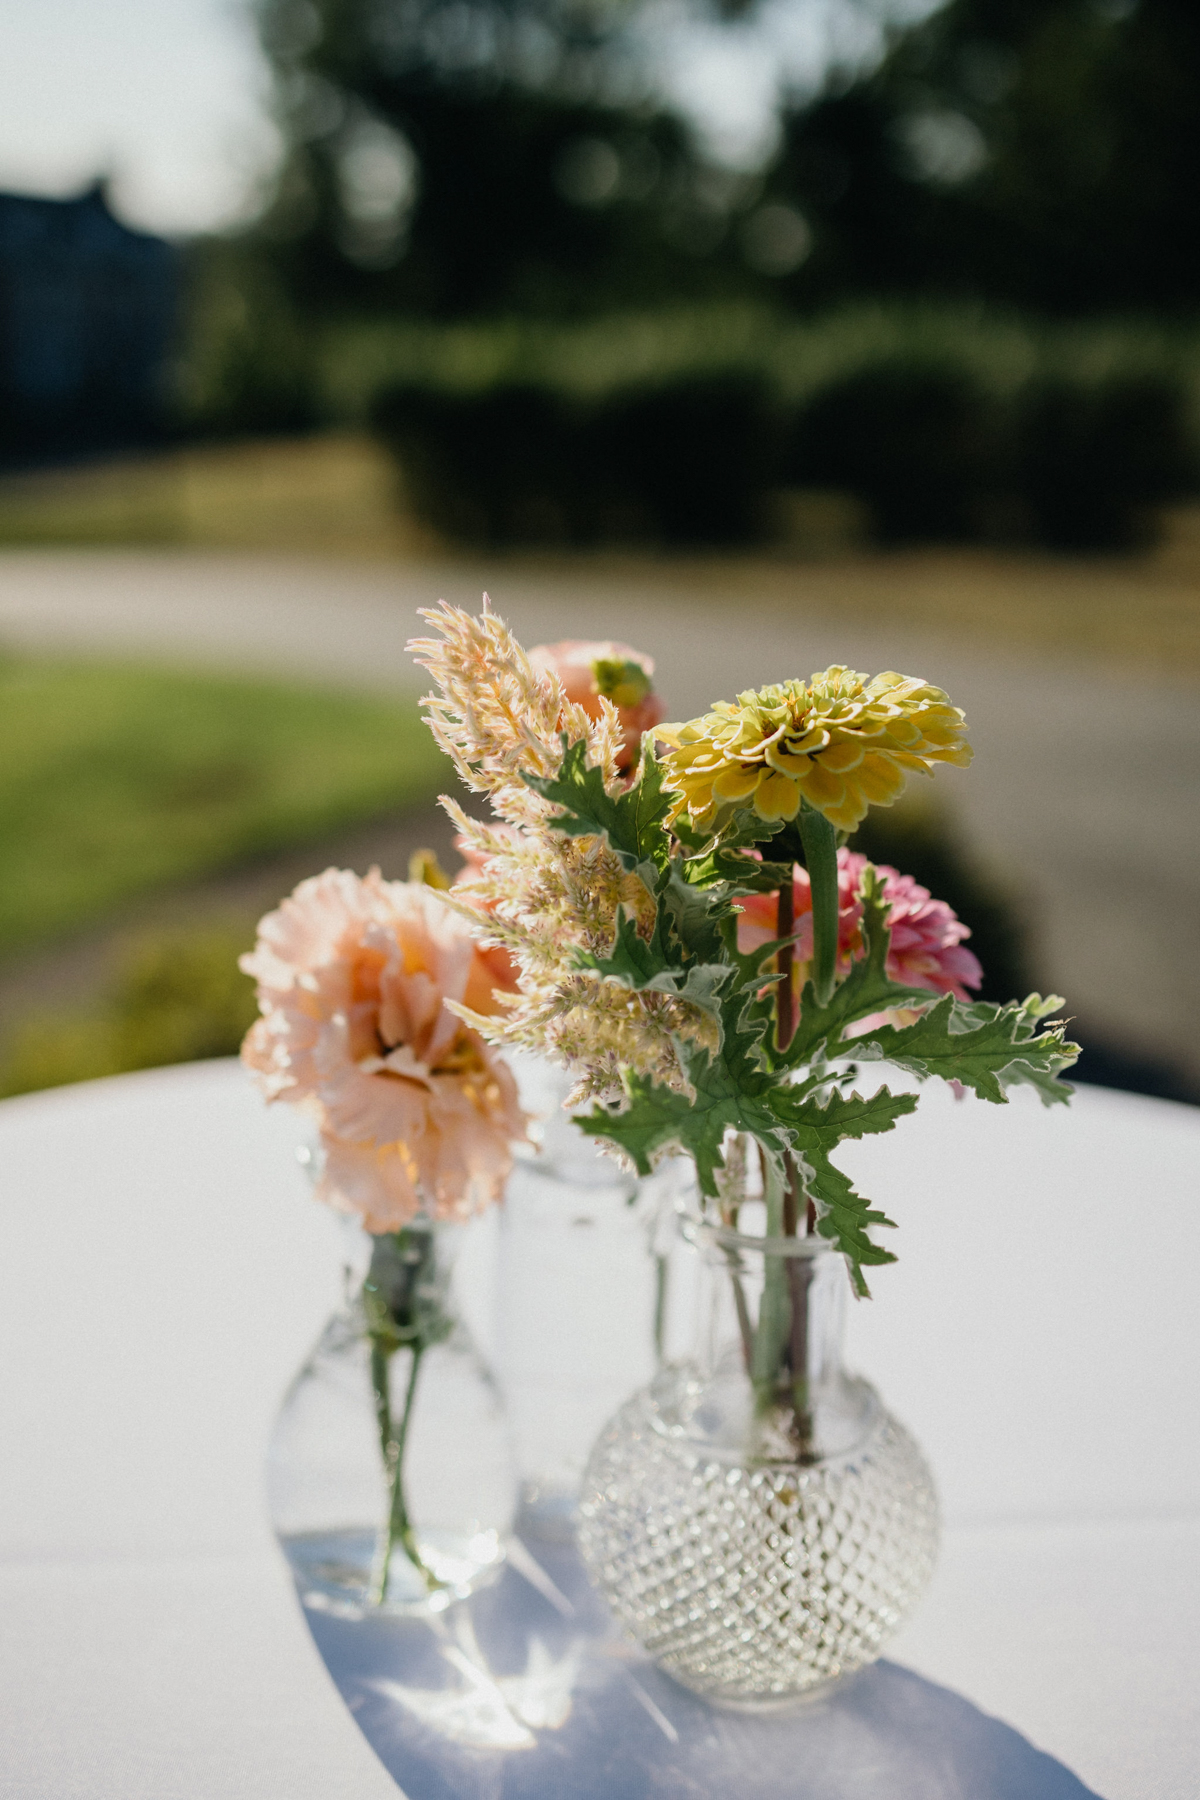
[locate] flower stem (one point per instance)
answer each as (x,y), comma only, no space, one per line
(397,1527)
(820,854)
(785,1000)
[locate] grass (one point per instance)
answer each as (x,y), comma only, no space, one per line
(117,780)
(174,996)
(334,494)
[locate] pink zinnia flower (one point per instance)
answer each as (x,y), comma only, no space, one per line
(927,948)
(416,1112)
(588,670)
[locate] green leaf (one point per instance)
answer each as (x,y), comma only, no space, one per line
(987,1048)
(632,821)
(657,1117)
(643,963)
(711,859)
(843,1217)
(814,1131)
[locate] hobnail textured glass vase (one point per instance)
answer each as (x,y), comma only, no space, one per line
(395,1388)
(756,1518)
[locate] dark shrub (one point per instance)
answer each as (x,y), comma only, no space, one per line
(497,467)
(1091,462)
(688,463)
(910,440)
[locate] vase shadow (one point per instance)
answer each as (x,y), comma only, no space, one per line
(527,1692)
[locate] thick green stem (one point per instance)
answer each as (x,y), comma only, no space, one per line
(785,1003)
(820,854)
(397,1527)
(779,1366)
(774,1309)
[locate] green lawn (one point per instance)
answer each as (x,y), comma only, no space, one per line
(115,780)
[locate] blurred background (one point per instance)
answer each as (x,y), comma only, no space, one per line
(760,333)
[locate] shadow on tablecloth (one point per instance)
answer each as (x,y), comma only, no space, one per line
(521,1694)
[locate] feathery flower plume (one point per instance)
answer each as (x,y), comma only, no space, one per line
(497,717)
(538,893)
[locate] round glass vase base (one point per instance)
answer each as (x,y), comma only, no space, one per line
(766,1706)
(336,1572)
(756,1584)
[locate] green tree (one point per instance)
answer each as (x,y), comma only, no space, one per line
(1040,151)
(453,157)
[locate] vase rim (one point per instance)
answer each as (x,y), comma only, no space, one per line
(699,1230)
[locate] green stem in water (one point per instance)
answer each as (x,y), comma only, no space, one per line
(774,1309)
(820,854)
(397,1528)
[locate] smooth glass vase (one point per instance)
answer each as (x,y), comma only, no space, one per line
(581,1284)
(389,1472)
(756,1518)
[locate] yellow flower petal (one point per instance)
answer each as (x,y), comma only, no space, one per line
(791,766)
(735,782)
(851,812)
(776,797)
(823,789)
(844,741)
(879,779)
(841,757)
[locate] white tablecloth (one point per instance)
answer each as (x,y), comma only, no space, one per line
(163,1272)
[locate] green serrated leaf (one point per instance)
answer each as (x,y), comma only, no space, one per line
(960,1043)
(639,963)
(814,1130)
(657,1117)
(632,821)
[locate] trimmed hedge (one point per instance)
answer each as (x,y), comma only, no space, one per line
(684,463)
(932,453)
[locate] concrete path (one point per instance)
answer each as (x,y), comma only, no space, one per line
(1084,796)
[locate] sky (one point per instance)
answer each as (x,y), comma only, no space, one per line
(167,99)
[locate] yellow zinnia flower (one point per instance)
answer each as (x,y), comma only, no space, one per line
(839,741)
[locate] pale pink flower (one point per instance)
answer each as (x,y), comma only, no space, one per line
(926,950)
(416,1112)
(589,670)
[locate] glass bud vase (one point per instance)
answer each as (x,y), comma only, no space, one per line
(389,1472)
(756,1518)
(577,1286)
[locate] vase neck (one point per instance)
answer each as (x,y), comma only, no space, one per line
(768,1327)
(398,1282)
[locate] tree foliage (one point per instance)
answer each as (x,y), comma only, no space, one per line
(1039,151)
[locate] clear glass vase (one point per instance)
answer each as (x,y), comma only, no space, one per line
(756,1518)
(582,1282)
(389,1472)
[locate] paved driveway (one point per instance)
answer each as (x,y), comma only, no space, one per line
(1085,792)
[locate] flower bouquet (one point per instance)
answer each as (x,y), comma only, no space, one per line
(694,943)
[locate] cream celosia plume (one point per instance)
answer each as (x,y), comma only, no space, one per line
(538,892)
(498,717)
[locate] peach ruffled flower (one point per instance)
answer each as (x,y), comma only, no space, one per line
(417,1113)
(589,670)
(927,948)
